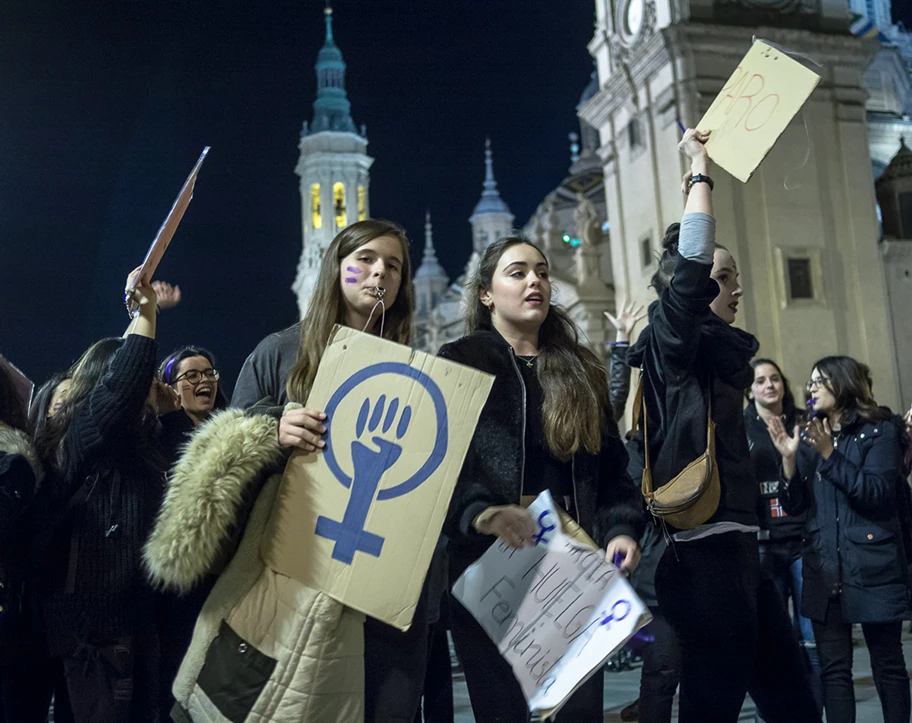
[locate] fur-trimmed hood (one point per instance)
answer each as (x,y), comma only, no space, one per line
(15,442)
(206,490)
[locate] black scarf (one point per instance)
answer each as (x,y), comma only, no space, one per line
(725,348)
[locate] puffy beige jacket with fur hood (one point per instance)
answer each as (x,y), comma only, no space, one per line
(266,649)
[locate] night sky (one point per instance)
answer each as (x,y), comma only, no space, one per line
(107,104)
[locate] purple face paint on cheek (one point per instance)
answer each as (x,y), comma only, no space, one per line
(351,280)
(353,269)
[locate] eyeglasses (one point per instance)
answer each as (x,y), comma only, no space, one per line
(195,377)
(818,382)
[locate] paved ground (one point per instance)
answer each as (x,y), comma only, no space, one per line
(623,688)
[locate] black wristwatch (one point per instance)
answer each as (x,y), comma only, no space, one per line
(699,178)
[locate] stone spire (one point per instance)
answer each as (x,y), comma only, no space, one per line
(430,266)
(490,202)
(332,111)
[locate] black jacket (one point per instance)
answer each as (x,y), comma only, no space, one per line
(91,585)
(618,379)
(607,504)
(856,502)
(776,524)
(685,352)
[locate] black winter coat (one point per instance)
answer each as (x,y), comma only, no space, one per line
(854,538)
(606,502)
(688,353)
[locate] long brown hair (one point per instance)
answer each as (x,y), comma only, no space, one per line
(849,381)
(573,380)
(327,307)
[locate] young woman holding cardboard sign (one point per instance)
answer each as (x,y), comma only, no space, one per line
(734,631)
(321,661)
(547,424)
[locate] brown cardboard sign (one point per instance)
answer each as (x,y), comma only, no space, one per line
(360,520)
(754,107)
(169,226)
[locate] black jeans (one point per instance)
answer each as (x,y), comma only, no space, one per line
(437,701)
(494,692)
(834,646)
(394,667)
(734,631)
(661,671)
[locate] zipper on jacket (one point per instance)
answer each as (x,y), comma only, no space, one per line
(522,473)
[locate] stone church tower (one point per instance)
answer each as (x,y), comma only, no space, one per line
(805,236)
(333,167)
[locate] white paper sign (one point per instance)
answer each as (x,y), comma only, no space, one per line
(556,611)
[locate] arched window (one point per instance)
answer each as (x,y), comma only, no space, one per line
(339,205)
(362,204)
(315,214)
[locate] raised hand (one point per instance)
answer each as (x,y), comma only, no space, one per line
(819,435)
(627,319)
(786,445)
(162,398)
(168,296)
(693,144)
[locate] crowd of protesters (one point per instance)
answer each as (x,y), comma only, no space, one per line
(134,501)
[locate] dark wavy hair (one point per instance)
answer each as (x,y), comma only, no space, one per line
(87,373)
(41,402)
(573,379)
(167,370)
(850,382)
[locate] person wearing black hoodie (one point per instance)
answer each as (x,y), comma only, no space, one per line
(733,628)
(547,425)
(848,477)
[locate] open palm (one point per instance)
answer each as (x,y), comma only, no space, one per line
(785,444)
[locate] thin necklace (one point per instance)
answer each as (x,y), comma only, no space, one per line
(529,360)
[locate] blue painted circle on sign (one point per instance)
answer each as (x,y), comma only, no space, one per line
(440,441)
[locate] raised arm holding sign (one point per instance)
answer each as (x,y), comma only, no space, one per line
(164,236)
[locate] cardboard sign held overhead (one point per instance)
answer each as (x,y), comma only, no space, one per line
(754,107)
(360,520)
(168,227)
(556,611)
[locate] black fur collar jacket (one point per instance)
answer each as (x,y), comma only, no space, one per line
(607,503)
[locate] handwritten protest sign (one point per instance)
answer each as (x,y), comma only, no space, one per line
(361,519)
(166,231)
(754,107)
(556,611)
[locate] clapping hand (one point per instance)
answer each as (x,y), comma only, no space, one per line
(819,435)
(626,320)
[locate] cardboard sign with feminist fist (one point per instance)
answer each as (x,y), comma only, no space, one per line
(360,520)
(754,107)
